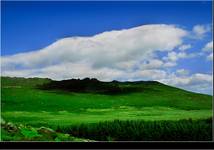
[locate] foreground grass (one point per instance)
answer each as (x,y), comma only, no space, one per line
(116,130)
(182,130)
(97,115)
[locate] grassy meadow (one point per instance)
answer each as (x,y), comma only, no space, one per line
(154,112)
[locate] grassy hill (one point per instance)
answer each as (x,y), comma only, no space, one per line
(16,82)
(44,102)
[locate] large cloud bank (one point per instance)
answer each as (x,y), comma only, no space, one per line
(129,54)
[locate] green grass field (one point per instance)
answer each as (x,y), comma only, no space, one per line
(23,103)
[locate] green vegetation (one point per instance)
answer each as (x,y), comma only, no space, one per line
(20,132)
(31,102)
(8,82)
(138,130)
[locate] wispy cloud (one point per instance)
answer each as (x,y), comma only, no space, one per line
(199,31)
(185,47)
(208,49)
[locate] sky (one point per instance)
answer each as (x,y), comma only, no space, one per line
(170,42)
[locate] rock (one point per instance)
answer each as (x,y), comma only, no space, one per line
(47,132)
(21,126)
(11,127)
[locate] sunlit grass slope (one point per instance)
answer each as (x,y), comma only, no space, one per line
(23,102)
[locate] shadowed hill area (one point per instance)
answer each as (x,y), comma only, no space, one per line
(88,85)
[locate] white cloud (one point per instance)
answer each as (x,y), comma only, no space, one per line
(208,47)
(210,57)
(173,56)
(200,30)
(105,50)
(153,74)
(126,64)
(185,47)
(198,82)
(170,64)
(69,70)
(182,72)
(152,64)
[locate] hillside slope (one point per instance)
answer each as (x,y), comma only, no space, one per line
(138,93)
(141,106)
(23,101)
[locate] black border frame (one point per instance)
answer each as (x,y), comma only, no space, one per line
(107,145)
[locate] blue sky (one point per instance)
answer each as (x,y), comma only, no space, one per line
(33,26)
(49,21)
